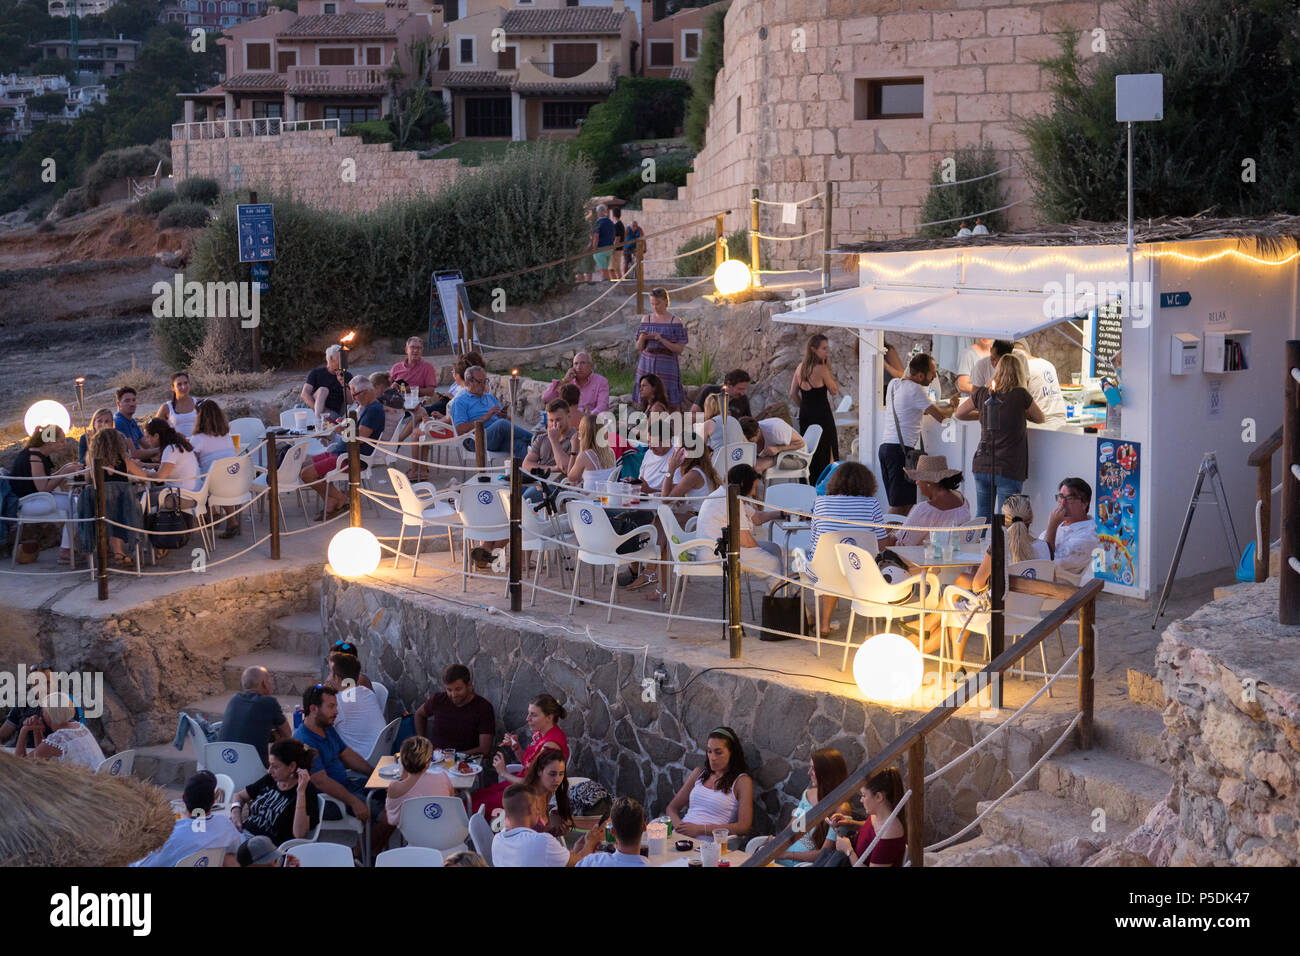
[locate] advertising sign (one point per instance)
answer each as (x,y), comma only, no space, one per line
(1118,507)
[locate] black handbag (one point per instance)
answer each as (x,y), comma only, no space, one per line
(781,614)
(169,527)
(911,456)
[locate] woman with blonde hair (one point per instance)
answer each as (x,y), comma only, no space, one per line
(418,780)
(70,742)
(594,459)
(122,503)
(712,430)
(103,418)
(1001,462)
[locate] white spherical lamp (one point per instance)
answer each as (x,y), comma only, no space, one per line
(888,667)
(353,553)
(731,277)
(46,412)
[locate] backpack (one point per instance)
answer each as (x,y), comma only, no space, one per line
(629,466)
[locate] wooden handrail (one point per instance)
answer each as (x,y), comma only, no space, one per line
(1080,600)
(1266,449)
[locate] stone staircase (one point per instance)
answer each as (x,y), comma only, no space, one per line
(295,656)
(1084,801)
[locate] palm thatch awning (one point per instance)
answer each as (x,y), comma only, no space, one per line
(57,815)
(1277,234)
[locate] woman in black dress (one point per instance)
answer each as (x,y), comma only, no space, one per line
(812,387)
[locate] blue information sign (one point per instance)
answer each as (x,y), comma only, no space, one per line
(1174,300)
(256,232)
(262,276)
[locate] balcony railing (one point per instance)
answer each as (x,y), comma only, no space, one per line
(362,79)
(233,129)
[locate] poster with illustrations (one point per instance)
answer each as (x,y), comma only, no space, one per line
(1118,506)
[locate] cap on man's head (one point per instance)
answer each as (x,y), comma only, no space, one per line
(258,851)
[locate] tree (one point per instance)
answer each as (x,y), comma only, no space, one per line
(414,107)
(963,199)
(47,103)
(703,78)
(1230,137)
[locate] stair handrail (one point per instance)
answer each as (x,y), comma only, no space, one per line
(1261,459)
(1081,600)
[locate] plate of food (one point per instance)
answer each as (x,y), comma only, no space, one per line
(392,772)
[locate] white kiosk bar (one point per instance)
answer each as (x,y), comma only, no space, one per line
(1201,370)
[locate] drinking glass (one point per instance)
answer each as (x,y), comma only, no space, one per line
(720,838)
(710,854)
(300,421)
(235,438)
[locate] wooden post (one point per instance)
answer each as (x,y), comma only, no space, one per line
(640,277)
(273,492)
(734,632)
(480,453)
(826,239)
(516,535)
(1264,495)
(1087,662)
(354,482)
(1288,608)
(997,599)
(719,250)
(257,330)
(915,808)
(101,530)
(753,234)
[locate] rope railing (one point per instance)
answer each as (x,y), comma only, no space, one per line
(863,524)
(805,235)
(535,325)
(682,255)
(866,853)
(793,202)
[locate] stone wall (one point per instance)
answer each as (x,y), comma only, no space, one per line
(646,748)
(313,166)
(797,125)
(1232,729)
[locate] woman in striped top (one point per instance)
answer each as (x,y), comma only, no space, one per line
(719,794)
(850,499)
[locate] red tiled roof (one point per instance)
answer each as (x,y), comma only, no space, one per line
(594,86)
(478,79)
(340,25)
(564,20)
(255,81)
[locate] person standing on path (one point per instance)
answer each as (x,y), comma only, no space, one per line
(660,340)
(812,386)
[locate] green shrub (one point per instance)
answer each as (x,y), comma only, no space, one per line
(155,202)
(179,338)
(379,262)
(702,263)
(372,131)
(703,77)
(72,202)
(440,133)
(119,163)
(199,190)
(640,108)
(653,191)
(40,210)
(183,214)
(625,187)
(964,200)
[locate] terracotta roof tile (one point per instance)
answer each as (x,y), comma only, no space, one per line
(595,86)
(564,20)
(478,79)
(255,81)
(340,25)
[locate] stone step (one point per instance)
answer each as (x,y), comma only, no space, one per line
(213,708)
(291,673)
(1145,690)
(164,765)
(1125,789)
(983,851)
(1037,821)
(1132,732)
(300,634)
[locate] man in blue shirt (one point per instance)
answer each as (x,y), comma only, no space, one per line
(476,406)
(370,424)
(628,821)
(124,421)
(334,758)
(602,241)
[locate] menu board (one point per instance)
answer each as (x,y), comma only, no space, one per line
(1107,330)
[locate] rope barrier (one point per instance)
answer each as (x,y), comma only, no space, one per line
(864,524)
(866,854)
(207,564)
(958,182)
(567,338)
(794,202)
(683,255)
(533,325)
(974,215)
(787,238)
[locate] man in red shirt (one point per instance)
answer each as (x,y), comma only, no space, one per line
(414,370)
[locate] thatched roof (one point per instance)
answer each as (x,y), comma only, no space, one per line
(1275,234)
(58,815)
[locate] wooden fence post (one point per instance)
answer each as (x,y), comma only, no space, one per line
(734,632)
(516,535)
(273,492)
(1087,661)
(101,530)
(915,808)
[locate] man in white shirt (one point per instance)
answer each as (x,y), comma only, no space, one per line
(977,350)
(1044,385)
(771,436)
(654,468)
(628,820)
(199,829)
(360,721)
(1071,533)
(520,845)
(759,555)
(981,374)
(909,400)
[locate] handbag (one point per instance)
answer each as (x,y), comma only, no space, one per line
(781,614)
(910,455)
(169,527)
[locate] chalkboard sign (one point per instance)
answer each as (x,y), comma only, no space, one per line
(1107,330)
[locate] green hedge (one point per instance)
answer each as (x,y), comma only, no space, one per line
(440,133)
(372,131)
(964,199)
(371,271)
(625,187)
(183,214)
(702,263)
(133,161)
(652,191)
(198,190)
(156,201)
(640,108)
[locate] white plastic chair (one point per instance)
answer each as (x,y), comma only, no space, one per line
(118,765)
(437,822)
(793,465)
(842,410)
(823,575)
(229,484)
(792,496)
(381,695)
(339,476)
(199,738)
(212,856)
(384,742)
(226,791)
(423,505)
(535,536)
(755,843)
(345,824)
(483,518)
(480,832)
(1021,611)
(37,508)
(289,478)
(873,596)
(687,561)
(251,432)
(241,761)
(598,547)
(737,453)
(323,855)
(289,420)
(409,856)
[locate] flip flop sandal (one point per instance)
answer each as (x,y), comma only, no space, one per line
(638,584)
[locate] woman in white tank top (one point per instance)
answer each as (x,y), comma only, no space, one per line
(592,462)
(182,411)
(719,794)
(690,476)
